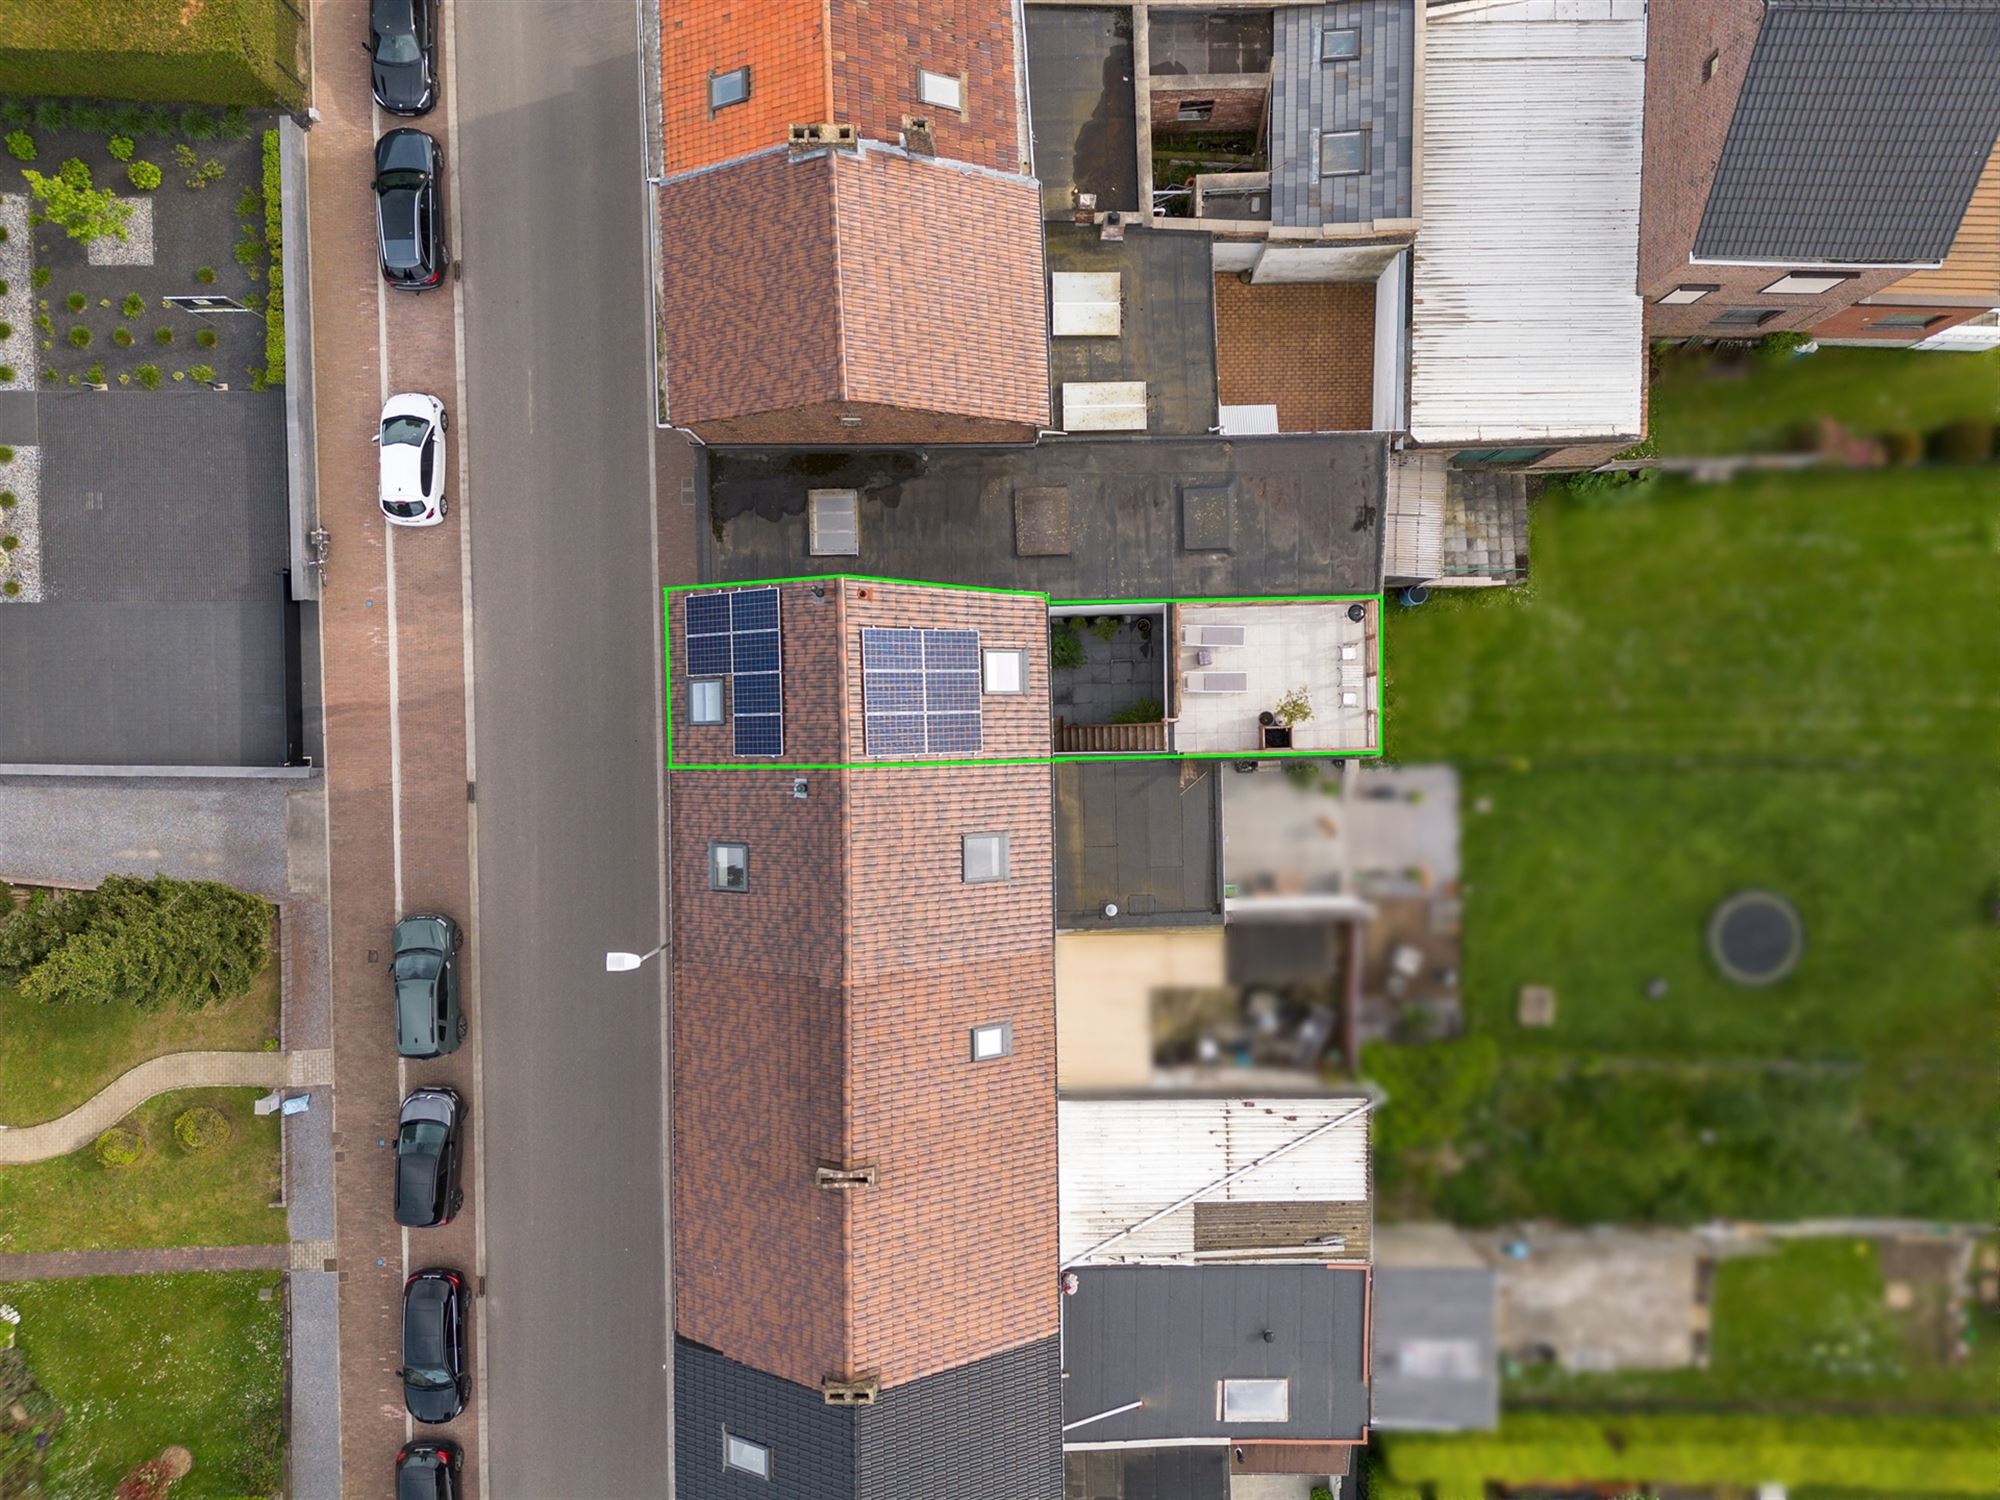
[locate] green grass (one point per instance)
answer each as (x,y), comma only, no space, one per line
(139,1362)
(1807,1322)
(168,1197)
(1866,390)
(53,1057)
(1818,617)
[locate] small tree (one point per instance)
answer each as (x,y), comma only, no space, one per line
(1294,708)
(86,213)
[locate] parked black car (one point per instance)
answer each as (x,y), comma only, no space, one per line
(428,1134)
(402,52)
(428,1471)
(409,210)
(424,970)
(435,1384)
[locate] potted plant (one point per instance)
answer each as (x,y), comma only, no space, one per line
(1276,726)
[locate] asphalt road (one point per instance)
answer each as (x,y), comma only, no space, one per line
(558,432)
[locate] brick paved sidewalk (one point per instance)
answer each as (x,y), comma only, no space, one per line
(160,1075)
(59,1263)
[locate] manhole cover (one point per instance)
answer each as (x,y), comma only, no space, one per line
(1755,937)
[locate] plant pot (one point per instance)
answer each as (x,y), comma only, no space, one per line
(1277,736)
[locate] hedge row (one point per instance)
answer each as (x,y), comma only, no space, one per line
(218,52)
(274,239)
(1879,1455)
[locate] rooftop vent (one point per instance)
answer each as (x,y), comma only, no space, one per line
(917,137)
(843,1177)
(860,1391)
(805,138)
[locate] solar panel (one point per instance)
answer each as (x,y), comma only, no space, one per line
(733,633)
(920,691)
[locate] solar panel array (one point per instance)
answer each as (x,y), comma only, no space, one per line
(920,691)
(734,634)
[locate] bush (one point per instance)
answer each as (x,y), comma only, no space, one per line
(198,125)
(235,123)
(163,335)
(95,374)
(76,301)
(74,173)
(121,147)
(148,943)
(1781,346)
(145,175)
(1066,646)
(20,145)
(133,305)
(8,499)
(51,114)
(205,337)
(1106,627)
(9,542)
(122,337)
(202,1128)
(1145,711)
(148,376)
(185,156)
(8,374)
(40,276)
(1903,447)
(205,275)
(1965,442)
(11,587)
(204,373)
(249,252)
(17,112)
(6,331)
(6,454)
(79,337)
(84,212)
(274,240)
(248,204)
(120,1146)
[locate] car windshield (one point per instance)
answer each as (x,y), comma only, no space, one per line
(428,1380)
(422,963)
(422,1135)
(397,47)
(407,509)
(404,430)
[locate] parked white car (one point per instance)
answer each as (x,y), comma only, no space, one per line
(412,442)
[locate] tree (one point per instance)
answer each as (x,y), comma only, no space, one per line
(36,930)
(187,943)
(87,213)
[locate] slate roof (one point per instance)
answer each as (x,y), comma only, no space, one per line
(1371,92)
(1859,134)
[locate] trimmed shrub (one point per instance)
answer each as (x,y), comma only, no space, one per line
(1965,442)
(274,240)
(6,331)
(79,337)
(204,373)
(205,275)
(163,335)
(121,147)
(11,587)
(6,454)
(145,175)
(95,374)
(201,1128)
(205,337)
(120,1146)
(148,376)
(8,374)
(76,301)
(8,499)
(122,337)
(133,305)
(9,542)
(20,145)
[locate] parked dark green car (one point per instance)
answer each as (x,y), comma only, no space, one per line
(429,1022)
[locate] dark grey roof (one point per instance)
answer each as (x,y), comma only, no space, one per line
(1148,1474)
(1371,92)
(1434,1349)
(1082,105)
(989,1430)
(1168,333)
(1141,834)
(1166,1335)
(1860,132)
(1293,515)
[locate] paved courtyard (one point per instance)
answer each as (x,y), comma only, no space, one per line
(162,639)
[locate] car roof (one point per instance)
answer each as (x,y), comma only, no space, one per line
(414,1017)
(402,474)
(423,1321)
(416,1184)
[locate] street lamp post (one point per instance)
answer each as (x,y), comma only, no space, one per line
(619,963)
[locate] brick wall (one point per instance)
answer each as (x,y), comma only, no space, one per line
(759,1061)
(784,44)
(1863,322)
(1309,348)
(1235,109)
(878,47)
(955,1252)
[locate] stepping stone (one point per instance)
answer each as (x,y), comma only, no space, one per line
(1536,1005)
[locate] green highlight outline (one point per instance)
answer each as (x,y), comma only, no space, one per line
(668,590)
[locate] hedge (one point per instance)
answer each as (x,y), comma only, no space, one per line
(274,237)
(219,52)
(1877,1454)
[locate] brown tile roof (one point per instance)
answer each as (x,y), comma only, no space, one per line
(871,279)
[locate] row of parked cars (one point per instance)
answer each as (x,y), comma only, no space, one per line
(423,965)
(430,1138)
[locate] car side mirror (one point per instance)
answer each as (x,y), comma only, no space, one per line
(368,49)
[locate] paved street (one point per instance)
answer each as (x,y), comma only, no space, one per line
(559,440)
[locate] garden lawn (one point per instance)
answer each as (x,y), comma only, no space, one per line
(139,1362)
(1807,1322)
(1815,616)
(54,1057)
(1696,411)
(170,1196)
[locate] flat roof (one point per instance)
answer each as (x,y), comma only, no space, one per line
(1168,1336)
(1140,834)
(1166,336)
(1103,519)
(1435,1365)
(1082,105)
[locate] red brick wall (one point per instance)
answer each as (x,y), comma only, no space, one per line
(1235,109)
(1687,119)
(759,1057)
(1860,322)
(809,643)
(1011,724)
(783,41)
(955,1251)
(878,45)
(942,290)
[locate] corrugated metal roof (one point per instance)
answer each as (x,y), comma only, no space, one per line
(1859,134)
(1125,1159)
(1526,322)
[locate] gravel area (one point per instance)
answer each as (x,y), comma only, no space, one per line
(136,249)
(22,564)
(17,306)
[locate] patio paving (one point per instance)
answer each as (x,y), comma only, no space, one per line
(1115,675)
